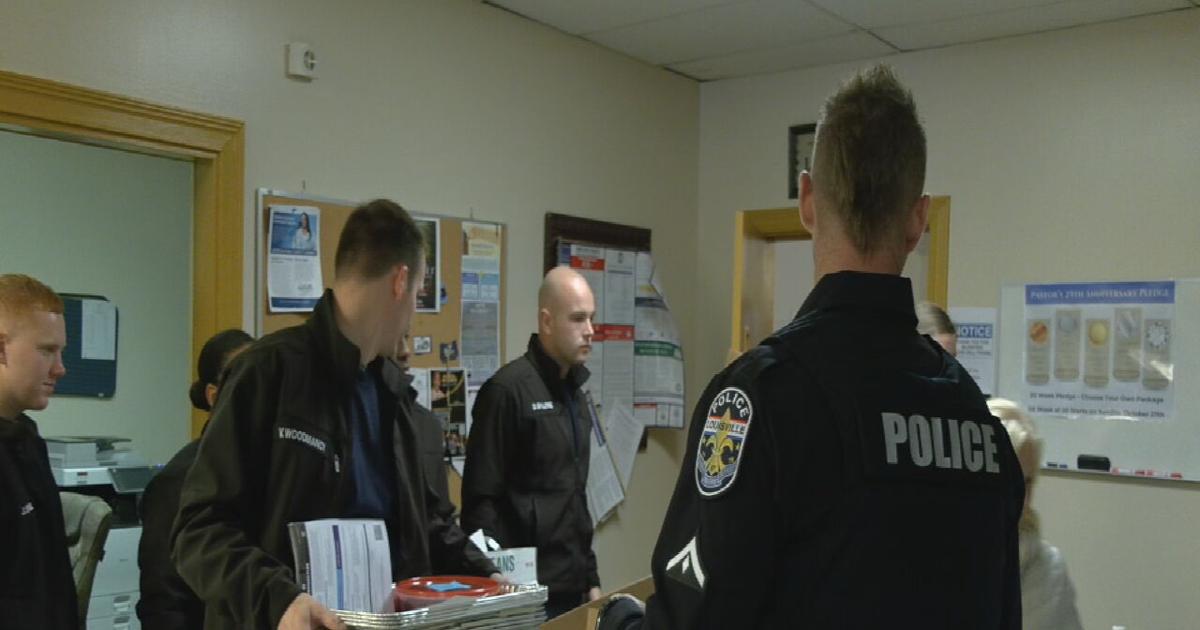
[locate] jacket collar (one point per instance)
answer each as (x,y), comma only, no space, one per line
(339,353)
(17,429)
(549,371)
(398,379)
(865,291)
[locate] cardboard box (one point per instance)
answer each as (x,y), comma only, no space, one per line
(586,616)
(518,564)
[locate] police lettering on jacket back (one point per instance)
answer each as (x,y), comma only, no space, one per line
(903,437)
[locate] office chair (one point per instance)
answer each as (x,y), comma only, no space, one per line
(88,520)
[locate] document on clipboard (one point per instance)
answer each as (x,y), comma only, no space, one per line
(604,490)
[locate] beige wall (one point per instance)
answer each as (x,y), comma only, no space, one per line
(447,106)
(1071,155)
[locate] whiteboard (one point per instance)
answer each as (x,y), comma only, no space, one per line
(1165,449)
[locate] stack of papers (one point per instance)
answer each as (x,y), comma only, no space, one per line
(345,565)
(517,607)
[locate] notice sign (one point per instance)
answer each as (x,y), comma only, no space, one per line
(976,329)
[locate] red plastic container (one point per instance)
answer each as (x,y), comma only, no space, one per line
(423,592)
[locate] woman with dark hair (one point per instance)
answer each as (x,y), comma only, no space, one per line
(166,602)
(214,356)
(302,238)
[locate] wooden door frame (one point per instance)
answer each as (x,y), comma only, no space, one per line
(783,224)
(216,147)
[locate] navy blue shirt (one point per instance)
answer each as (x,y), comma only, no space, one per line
(372,466)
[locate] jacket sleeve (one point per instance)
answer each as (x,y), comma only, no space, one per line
(221,504)
(452,552)
(593,576)
(1060,592)
(1012,572)
(485,476)
(712,564)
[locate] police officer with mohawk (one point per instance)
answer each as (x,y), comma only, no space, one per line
(845,473)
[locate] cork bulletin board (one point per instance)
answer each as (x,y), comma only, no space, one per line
(443,327)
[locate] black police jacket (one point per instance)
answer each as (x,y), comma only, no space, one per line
(165,602)
(37,588)
(277,450)
(525,479)
(846,473)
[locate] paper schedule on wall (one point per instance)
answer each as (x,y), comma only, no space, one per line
(98,330)
(480,341)
(481,261)
(658,354)
(480,320)
(618,330)
(619,286)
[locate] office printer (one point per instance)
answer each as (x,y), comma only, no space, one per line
(102,466)
(106,467)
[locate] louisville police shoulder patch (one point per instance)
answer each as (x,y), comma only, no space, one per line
(722,441)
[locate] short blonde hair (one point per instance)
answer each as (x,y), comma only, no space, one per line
(933,320)
(869,158)
(1022,433)
(21,295)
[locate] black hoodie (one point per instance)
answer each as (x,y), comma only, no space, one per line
(37,587)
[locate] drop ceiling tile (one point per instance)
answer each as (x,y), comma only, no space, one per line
(586,16)
(722,30)
(849,47)
(873,13)
(1019,21)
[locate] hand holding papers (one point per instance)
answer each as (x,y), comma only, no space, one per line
(345,564)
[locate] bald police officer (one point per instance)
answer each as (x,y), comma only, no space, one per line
(845,473)
(525,480)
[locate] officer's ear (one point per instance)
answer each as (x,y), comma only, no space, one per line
(808,210)
(545,319)
(400,284)
(918,219)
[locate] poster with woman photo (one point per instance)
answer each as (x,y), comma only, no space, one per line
(448,401)
(428,297)
(294,261)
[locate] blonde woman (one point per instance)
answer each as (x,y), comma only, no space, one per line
(1047,594)
(932,320)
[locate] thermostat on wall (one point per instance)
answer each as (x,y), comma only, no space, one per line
(301,61)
